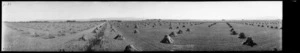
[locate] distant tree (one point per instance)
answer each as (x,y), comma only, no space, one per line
(70,21)
(119,21)
(223,19)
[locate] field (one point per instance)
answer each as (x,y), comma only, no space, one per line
(247,35)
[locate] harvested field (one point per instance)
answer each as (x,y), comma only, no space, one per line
(101,26)
(143,36)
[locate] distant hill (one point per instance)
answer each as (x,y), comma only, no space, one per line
(118,18)
(144,19)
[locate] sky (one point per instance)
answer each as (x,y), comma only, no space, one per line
(235,10)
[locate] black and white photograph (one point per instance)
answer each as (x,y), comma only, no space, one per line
(140,26)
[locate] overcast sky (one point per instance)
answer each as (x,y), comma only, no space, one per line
(24,11)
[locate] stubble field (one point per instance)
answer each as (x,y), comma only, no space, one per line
(144,36)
